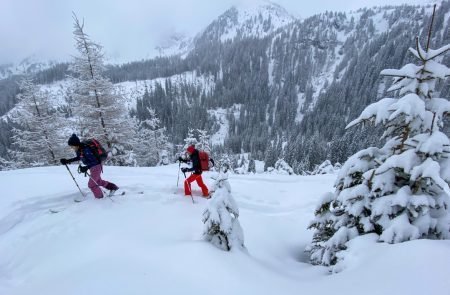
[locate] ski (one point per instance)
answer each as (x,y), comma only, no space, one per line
(121,193)
(113,193)
(56,210)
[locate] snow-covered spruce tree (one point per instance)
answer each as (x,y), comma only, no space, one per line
(222,227)
(251,166)
(225,163)
(242,164)
(203,141)
(283,168)
(35,141)
(7,164)
(271,156)
(150,144)
(190,139)
(401,191)
(325,168)
(98,106)
(346,213)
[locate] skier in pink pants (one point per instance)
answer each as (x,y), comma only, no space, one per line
(92,163)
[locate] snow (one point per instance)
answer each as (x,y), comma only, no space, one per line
(378,110)
(152,242)
(220,116)
(411,105)
(409,71)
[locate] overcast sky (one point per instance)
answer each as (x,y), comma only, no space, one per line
(128,29)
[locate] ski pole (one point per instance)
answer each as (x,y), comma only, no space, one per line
(178,178)
(104,192)
(75,181)
(189,185)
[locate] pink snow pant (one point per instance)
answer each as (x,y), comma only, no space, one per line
(95,181)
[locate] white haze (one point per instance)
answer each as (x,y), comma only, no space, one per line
(129,30)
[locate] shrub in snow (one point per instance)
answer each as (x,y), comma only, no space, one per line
(302,167)
(325,168)
(399,192)
(242,164)
(281,167)
(6,164)
(251,166)
(220,217)
(225,163)
(163,158)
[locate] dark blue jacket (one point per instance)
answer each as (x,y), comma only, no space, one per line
(87,157)
(195,159)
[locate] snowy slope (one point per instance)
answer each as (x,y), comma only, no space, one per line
(130,91)
(151,243)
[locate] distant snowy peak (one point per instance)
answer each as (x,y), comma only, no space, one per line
(29,65)
(258,19)
(255,19)
(176,43)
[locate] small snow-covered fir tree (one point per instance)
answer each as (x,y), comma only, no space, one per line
(251,166)
(6,164)
(344,214)
(99,107)
(225,163)
(271,157)
(325,168)
(190,139)
(242,164)
(222,227)
(302,168)
(401,191)
(203,141)
(283,168)
(35,140)
(150,144)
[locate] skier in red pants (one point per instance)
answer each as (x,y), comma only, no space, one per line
(197,172)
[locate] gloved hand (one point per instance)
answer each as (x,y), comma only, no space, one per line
(184,169)
(64,161)
(82,169)
(180,159)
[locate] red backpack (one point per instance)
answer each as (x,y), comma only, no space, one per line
(204,160)
(97,149)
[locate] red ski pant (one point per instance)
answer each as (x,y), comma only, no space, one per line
(201,184)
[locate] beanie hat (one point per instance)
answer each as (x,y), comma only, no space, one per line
(74,140)
(190,149)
